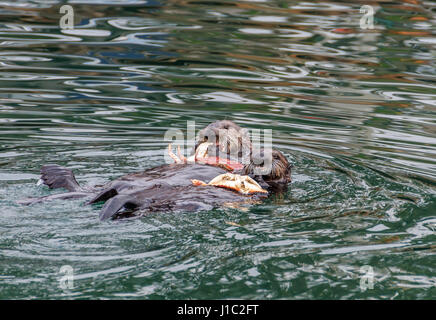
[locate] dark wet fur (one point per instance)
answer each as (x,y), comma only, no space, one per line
(55,176)
(165,188)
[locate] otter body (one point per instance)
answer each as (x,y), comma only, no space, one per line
(169,187)
(164,188)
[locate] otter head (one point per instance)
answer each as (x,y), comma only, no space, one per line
(270,168)
(229,139)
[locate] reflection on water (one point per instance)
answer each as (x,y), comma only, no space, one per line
(354,111)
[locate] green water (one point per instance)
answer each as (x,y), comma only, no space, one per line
(353,109)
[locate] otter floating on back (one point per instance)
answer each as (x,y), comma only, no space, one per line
(199,182)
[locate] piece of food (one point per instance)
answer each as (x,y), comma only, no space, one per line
(200,153)
(201,156)
(236,182)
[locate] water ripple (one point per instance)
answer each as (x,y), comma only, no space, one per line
(352,109)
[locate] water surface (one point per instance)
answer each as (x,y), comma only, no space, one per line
(352,109)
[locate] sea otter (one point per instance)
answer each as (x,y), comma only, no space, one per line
(182,186)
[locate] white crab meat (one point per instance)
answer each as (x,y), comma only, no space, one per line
(242,184)
(200,152)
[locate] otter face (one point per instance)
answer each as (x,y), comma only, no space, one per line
(229,139)
(274,172)
(268,167)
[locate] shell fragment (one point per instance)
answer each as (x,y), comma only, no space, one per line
(242,184)
(200,153)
